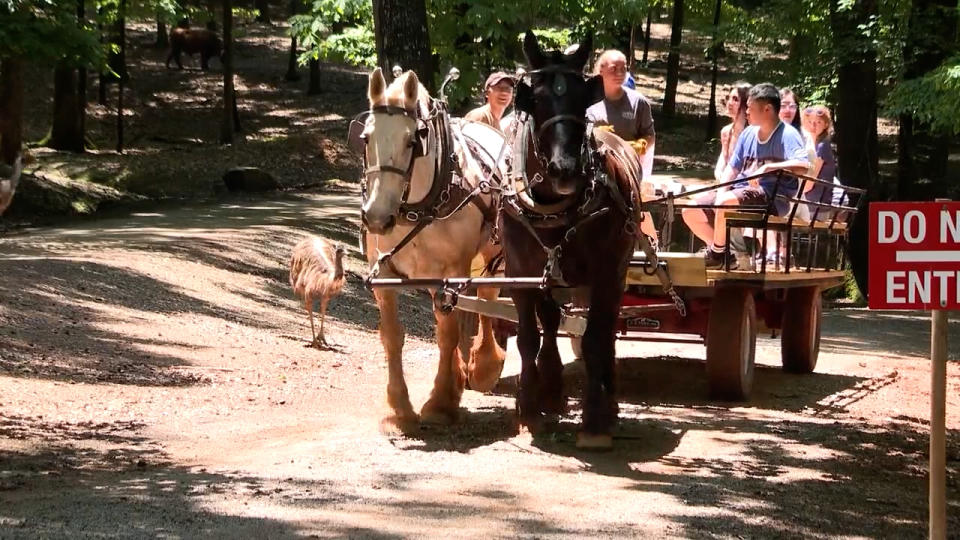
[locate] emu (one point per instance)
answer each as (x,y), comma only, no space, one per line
(316,274)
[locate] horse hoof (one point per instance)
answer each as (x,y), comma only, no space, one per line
(400,424)
(593,441)
(439,416)
(534,423)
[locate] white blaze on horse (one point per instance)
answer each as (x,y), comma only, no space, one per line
(408,181)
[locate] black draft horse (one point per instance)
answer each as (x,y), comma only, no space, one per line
(572,216)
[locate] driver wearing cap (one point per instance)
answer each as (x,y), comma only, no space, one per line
(499,93)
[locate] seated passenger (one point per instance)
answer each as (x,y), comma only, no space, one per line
(499,93)
(628,114)
(767,145)
(817,125)
(626,111)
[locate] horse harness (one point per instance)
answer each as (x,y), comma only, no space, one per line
(448,192)
(574,212)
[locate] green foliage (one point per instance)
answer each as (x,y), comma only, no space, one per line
(46,31)
(338,31)
(933,99)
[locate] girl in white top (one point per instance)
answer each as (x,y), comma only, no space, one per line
(736,106)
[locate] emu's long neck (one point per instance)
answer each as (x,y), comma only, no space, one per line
(338,266)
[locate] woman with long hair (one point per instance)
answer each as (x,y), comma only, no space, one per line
(789,108)
(736,107)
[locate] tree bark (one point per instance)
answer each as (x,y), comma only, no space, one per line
(163,37)
(65,134)
(402,38)
(673,61)
(263,11)
(82,77)
(292,73)
(923,153)
(314,87)
(856,115)
(229,97)
(631,55)
(715,49)
(122,60)
(646,37)
(11,108)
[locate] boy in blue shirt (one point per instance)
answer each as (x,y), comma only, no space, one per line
(765,146)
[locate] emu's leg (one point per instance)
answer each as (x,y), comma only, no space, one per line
(528,343)
(443,407)
(549,365)
(486,356)
(599,349)
(391,335)
(308,305)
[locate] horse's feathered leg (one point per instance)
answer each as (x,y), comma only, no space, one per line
(486,356)
(391,335)
(443,407)
(599,351)
(528,343)
(549,365)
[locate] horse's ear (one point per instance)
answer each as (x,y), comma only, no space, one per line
(582,54)
(376,87)
(524,99)
(411,87)
(531,50)
(594,89)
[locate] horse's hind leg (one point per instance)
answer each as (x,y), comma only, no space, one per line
(443,407)
(486,356)
(549,366)
(391,335)
(528,343)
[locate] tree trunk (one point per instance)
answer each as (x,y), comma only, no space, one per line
(82,77)
(646,37)
(163,37)
(263,11)
(715,49)
(122,60)
(923,154)
(292,74)
(856,115)
(402,38)
(632,55)
(314,87)
(229,98)
(65,134)
(11,108)
(673,61)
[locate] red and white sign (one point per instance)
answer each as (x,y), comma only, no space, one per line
(914,255)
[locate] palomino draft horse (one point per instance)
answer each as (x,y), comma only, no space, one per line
(412,182)
(571,216)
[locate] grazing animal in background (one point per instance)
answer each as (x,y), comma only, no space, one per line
(316,274)
(9,178)
(193,41)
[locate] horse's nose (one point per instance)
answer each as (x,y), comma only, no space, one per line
(378,225)
(561,173)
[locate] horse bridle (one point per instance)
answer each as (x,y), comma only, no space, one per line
(416,143)
(559,90)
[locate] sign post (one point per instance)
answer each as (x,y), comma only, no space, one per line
(915,264)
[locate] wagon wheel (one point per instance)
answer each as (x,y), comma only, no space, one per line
(731,343)
(800,331)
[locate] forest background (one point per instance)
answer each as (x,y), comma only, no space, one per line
(890,71)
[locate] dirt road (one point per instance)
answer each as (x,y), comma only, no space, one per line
(153,382)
